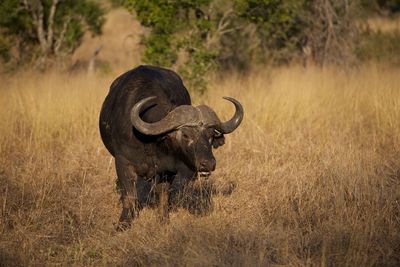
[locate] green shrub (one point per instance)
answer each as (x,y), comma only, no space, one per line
(380,46)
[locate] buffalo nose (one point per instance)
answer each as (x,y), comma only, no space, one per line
(208,165)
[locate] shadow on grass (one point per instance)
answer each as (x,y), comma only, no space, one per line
(195,196)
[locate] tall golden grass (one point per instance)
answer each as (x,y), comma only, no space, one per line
(384,24)
(316,164)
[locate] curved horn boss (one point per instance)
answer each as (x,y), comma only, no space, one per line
(181,115)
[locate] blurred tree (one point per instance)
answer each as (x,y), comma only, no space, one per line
(185,33)
(279,26)
(42,29)
(392,5)
(321,30)
(198,36)
(381,6)
(332,32)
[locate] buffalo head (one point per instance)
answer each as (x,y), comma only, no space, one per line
(190,131)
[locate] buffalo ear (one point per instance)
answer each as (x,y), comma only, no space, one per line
(218,141)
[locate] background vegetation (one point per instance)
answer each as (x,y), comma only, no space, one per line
(207,36)
(311,177)
(34,31)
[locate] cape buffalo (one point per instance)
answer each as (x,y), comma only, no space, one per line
(148,124)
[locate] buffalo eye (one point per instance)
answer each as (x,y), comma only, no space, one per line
(185,135)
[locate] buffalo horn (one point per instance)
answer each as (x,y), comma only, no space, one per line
(229,126)
(181,115)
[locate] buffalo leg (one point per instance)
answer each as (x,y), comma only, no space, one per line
(130,206)
(144,192)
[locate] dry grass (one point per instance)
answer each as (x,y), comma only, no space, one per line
(384,24)
(316,166)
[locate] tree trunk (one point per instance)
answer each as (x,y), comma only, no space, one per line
(92,61)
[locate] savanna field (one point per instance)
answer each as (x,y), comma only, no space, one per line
(313,175)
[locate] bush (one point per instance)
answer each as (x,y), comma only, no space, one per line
(380,46)
(199,36)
